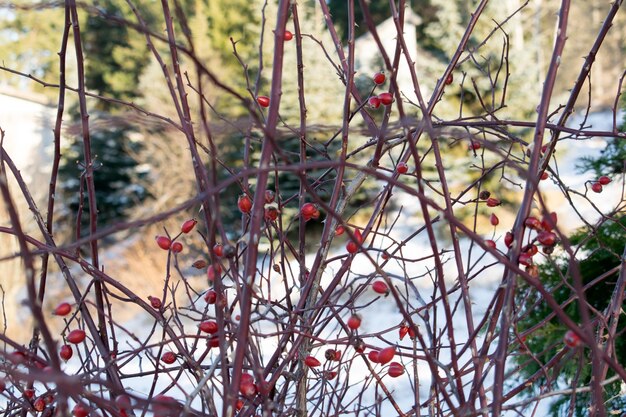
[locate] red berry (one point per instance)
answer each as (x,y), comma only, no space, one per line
(374,102)
(379,78)
(493,202)
(308,210)
(358,236)
(474,145)
(63,309)
(288,35)
(352,247)
(402,168)
(18,357)
(188,225)
(546,238)
(199,264)
(29,393)
(508,239)
(163,405)
(155,302)
(214,271)
(386,355)
(404,329)
(208,326)
(544,175)
(449,79)
(177,247)
(525,259)
(66,352)
(571,339)
(239,404)
(330,375)
(168,358)
(596,187)
(531,250)
(164,242)
(247,389)
(490,243)
(546,223)
(3,385)
(76,336)
(339,230)
(246,378)
(39,404)
(373,356)
(385,98)
(493,219)
(263,101)
(533,223)
(210,297)
(80,411)
(395,369)
(270,196)
(380,287)
(354,322)
(312,362)
(218,250)
(604,180)
(213,342)
(270,214)
(244,203)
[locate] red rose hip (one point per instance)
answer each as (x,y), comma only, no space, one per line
(188,225)
(395,369)
(380,287)
(354,322)
(63,309)
(379,78)
(164,242)
(76,336)
(263,101)
(66,352)
(385,98)
(311,362)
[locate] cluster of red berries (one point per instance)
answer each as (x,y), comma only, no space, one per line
(353,246)
(545,237)
(383,98)
(596,187)
(488,199)
(74,337)
(165,243)
(244,203)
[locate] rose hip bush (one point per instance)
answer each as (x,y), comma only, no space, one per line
(311,304)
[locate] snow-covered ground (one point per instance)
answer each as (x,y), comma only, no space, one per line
(383,314)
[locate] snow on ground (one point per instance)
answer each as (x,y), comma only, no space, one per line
(383,313)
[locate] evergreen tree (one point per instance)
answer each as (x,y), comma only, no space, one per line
(603,249)
(114,61)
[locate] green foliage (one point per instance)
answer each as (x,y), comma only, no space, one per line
(29,39)
(379,10)
(600,251)
(612,159)
(115,55)
(116,176)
